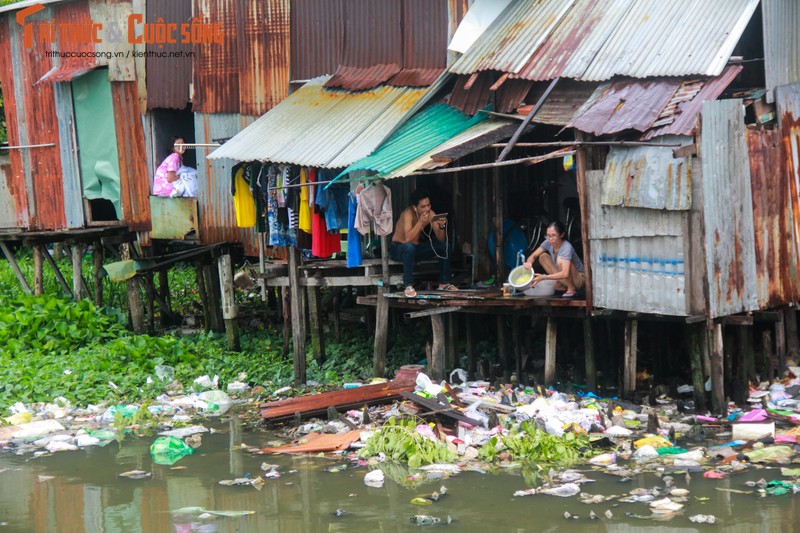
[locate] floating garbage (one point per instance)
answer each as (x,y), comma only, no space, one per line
(374,478)
(425,520)
(703,519)
(169,450)
(136,474)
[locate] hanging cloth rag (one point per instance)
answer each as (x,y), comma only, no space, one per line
(353,236)
(243,202)
(375,205)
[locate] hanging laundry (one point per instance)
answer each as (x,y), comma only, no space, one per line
(353,236)
(280,232)
(305,213)
(375,206)
(243,202)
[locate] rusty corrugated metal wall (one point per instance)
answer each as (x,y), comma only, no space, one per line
(787,98)
(15,179)
(770,210)
(134,185)
(39,168)
(728,210)
(317,37)
(168,78)
(248,72)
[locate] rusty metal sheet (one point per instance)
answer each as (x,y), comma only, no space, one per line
(471,100)
(217,66)
(8,210)
(787,98)
(625,105)
(13,171)
(648,177)
(172,218)
(563,102)
(263,40)
(638,261)
(362,78)
(781,43)
(116,50)
(680,114)
(168,78)
(728,210)
(134,185)
(770,208)
(38,124)
(317,38)
(217,218)
(511,94)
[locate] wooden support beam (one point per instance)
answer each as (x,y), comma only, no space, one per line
(77,273)
(150,297)
(744,353)
(228,301)
(516,341)
(736,320)
(337,319)
(38,274)
(437,361)
(767,365)
(472,359)
(287,319)
(98,253)
(588,347)
(697,345)
(780,340)
(211,275)
(532,113)
(50,261)
(631,349)
(201,287)
(315,323)
(718,403)
(499,205)
(433,311)
(581,166)
(502,344)
(696,319)
(451,346)
(550,351)
(791,336)
(382,314)
(298,316)
(164,299)
(15,267)
(135,305)
(684,151)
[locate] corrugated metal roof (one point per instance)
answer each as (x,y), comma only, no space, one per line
(771,212)
(781,19)
(168,78)
(595,40)
(638,262)
(656,107)
(422,133)
(216,65)
(787,98)
(321,127)
(679,117)
(727,210)
(508,44)
(471,136)
(65,72)
(649,177)
(563,102)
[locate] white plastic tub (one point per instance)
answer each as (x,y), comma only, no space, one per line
(543,289)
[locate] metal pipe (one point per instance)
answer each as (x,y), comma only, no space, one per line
(587,143)
(20,147)
(524,160)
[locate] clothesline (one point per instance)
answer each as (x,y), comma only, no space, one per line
(293,185)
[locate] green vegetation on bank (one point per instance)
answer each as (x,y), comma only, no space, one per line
(51,346)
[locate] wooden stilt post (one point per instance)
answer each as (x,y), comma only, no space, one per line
(298,316)
(472,360)
(201,287)
(744,354)
(451,348)
(166,300)
(77,273)
(150,292)
(59,276)
(792,340)
(780,340)
(15,267)
(337,319)
(697,345)
(588,347)
(717,372)
(98,254)
(382,314)
(497,193)
(516,340)
(38,278)
(502,346)
(550,351)
(767,366)
(229,308)
(436,362)
(214,297)
(286,311)
(631,348)
(262,263)
(135,306)
(315,320)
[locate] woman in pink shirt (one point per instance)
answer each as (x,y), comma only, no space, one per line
(167,171)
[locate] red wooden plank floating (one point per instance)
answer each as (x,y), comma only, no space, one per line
(318,404)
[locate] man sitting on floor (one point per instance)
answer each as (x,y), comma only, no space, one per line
(421,234)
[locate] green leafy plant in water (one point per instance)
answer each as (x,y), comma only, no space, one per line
(529,443)
(400,441)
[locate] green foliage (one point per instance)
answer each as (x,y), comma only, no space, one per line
(529,443)
(400,441)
